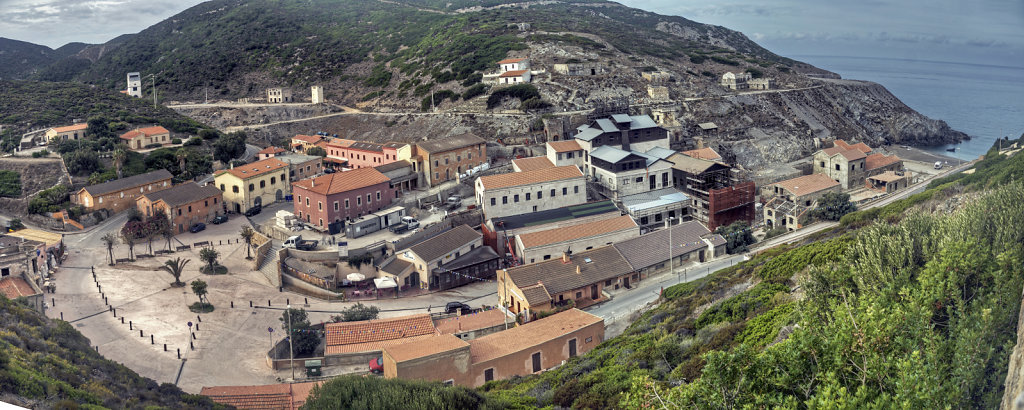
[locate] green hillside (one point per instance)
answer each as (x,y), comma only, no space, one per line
(49,364)
(235,48)
(918,310)
(32,105)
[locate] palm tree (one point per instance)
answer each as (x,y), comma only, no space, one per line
(175,267)
(120,155)
(247,234)
(129,239)
(209,255)
(110,239)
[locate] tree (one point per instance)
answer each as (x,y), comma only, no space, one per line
(109,239)
(129,239)
(738,237)
(82,162)
(181,155)
(305,337)
(199,288)
(119,156)
(832,206)
(229,147)
(167,232)
(356,313)
(247,234)
(175,267)
(16,224)
(209,255)
(316,151)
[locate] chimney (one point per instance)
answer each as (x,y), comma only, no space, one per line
(565,257)
(578,271)
(312,183)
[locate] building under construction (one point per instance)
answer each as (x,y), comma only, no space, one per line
(719,197)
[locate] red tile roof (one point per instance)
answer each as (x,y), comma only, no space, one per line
(76,127)
(875,161)
(266,397)
(849,154)
(426,346)
(345,333)
(533,163)
(371,346)
(511,60)
(271,150)
(807,184)
(707,154)
(338,182)
(860,146)
(148,131)
(15,287)
(530,335)
(309,139)
(584,230)
(513,73)
(470,322)
(530,177)
(255,169)
(565,146)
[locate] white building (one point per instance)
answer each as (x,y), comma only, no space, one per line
(279,95)
(318,94)
(514,64)
(530,191)
(619,173)
(134,85)
(562,153)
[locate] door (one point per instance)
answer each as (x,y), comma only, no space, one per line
(626,281)
(536,362)
(593,292)
(572,348)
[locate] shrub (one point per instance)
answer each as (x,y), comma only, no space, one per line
(41,154)
(10,184)
(697,59)
(175,140)
(534,104)
(521,91)
(379,77)
(474,91)
(194,142)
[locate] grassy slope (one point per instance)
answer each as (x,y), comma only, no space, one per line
(673,345)
(52,365)
(32,104)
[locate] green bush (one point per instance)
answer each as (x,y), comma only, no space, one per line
(522,92)
(357,392)
(49,200)
(534,104)
(10,184)
(176,141)
(41,154)
(379,77)
(474,91)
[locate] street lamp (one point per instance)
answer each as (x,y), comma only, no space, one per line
(291,348)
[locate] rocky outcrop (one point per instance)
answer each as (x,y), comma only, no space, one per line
(1012,396)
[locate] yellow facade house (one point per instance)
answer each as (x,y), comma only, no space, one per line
(70,132)
(256,184)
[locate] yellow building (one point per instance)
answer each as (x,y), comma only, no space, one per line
(256,184)
(70,132)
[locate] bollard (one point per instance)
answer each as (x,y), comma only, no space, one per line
(53,302)
(114,310)
(110,308)
(97,349)
(61,315)
(165,347)
(122,320)
(130,325)
(198,319)
(250,303)
(179,352)
(306,300)
(287,301)
(197,327)
(221,242)
(193,336)
(232,304)
(280,288)
(191,346)
(268,302)
(151,340)
(140,333)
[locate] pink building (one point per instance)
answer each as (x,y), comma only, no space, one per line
(360,154)
(342,196)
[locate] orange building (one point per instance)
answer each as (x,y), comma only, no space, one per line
(139,138)
(120,194)
(185,204)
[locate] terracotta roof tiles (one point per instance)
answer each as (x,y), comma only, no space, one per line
(472,321)
(530,177)
(14,287)
(271,150)
(69,128)
(346,333)
(532,163)
(875,161)
(703,153)
(426,346)
(530,335)
(513,73)
(255,169)
(574,232)
(565,146)
(338,182)
(309,139)
(807,184)
(511,60)
(129,182)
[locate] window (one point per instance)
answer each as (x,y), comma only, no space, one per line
(504,200)
(657,217)
(273,180)
(321,222)
(552,193)
(234,189)
(823,164)
(565,191)
(436,164)
(535,358)
(494,201)
(853,167)
(359,200)
(307,201)
(221,187)
(319,206)
(488,375)
(368,197)
(639,179)
(263,184)
(643,220)
(568,155)
(546,257)
(579,295)
(346,203)
(540,194)
(378,195)
(572,347)
(576,189)
(282,177)
(527,196)
(206,203)
(179,211)
(469,155)
(837,167)
(335,206)
(515,198)
(437,175)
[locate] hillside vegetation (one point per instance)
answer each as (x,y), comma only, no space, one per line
(48,364)
(234,48)
(918,311)
(33,105)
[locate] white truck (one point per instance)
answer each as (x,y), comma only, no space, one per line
(296,242)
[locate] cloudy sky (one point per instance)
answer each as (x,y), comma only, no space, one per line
(975,31)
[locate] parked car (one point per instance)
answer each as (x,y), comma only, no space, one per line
(197,227)
(254,210)
(411,222)
(453,307)
(329,170)
(377,365)
(219,219)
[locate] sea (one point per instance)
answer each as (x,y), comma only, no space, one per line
(983,101)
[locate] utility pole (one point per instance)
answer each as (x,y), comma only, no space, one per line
(153,77)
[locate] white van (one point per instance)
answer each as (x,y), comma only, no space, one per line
(938,164)
(411,222)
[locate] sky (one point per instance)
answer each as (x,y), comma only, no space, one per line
(967,31)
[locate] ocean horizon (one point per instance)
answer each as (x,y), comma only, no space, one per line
(984,101)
